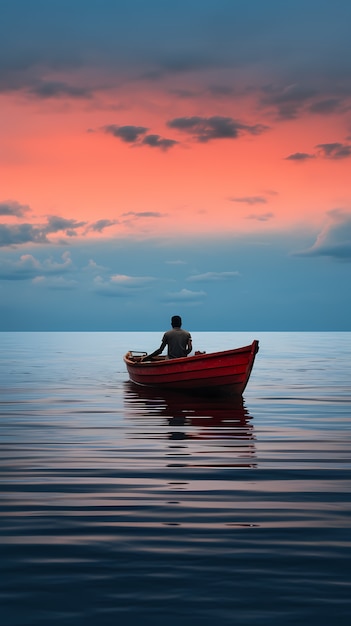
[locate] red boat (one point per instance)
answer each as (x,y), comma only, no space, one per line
(217,372)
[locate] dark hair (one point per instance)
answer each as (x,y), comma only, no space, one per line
(176,321)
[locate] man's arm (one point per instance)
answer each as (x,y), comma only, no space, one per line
(189,346)
(148,357)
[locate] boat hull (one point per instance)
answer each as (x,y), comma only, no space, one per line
(217,372)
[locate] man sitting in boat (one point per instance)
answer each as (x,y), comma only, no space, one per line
(178,340)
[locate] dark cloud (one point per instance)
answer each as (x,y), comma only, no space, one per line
(100,225)
(21,233)
(181,61)
(129,134)
(185,94)
(334,150)
(295,100)
(299,156)
(205,129)
(221,90)
(155,141)
(249,199)
(12,208)
(288,101)
(56,224)
(325,106)
(334,241)
(18,234)
(56,89)
(128,40)
(136,135)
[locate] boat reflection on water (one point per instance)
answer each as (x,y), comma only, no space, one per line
(223,423)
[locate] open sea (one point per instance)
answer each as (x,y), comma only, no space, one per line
(121,506)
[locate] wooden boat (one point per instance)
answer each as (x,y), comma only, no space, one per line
(216,372)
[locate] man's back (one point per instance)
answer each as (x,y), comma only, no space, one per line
(177,341)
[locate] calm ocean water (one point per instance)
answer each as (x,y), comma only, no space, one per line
(121,506)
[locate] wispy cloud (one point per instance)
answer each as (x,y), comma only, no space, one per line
(249,199)
(260,217)
(130,281)
(184,296)
(176,262)
(334,240)
(28,267)
(93,266)
(100,225)
(121,285)
(56,283)
(143,214)
(212,276)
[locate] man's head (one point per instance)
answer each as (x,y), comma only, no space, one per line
(176,321)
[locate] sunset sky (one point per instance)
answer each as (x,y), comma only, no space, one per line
(187,158)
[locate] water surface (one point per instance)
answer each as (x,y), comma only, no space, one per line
(121,505)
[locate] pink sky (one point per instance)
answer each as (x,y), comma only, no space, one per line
(57,160)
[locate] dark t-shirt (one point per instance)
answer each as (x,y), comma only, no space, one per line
(177,340)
